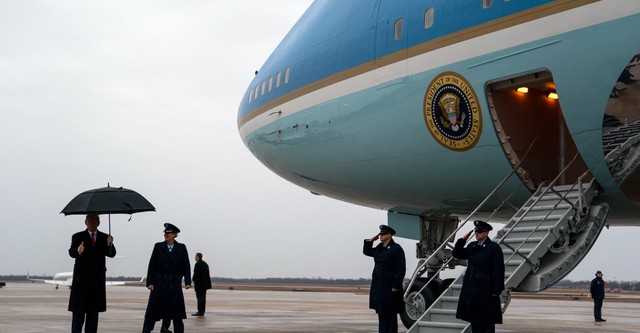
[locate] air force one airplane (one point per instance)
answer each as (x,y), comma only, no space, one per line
(442,111)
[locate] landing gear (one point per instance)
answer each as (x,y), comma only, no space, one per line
(417,303)
(434,252)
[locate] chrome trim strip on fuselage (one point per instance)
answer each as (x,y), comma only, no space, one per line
(523,28)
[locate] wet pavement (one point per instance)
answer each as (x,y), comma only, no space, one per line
(35,307)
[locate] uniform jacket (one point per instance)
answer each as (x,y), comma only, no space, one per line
(388,273)
(166,271)
(201,277)
(88,292)
(597,288)
(484,276)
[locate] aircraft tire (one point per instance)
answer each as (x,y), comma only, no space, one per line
(423,300)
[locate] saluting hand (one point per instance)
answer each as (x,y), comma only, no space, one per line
(81,248)
(468,235)
(375,238)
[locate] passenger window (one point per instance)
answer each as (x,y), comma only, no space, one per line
(270,83)
(278,77)
(397,29)
(255,94)
(264,83)
(428,18)
(250,96)
(286,75)
(487,3)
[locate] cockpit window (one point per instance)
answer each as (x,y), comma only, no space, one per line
(487,3)
(397,29)
(428,18)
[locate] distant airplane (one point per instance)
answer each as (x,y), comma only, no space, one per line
(66,279)
(520,112)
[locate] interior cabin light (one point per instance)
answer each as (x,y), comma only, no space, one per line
(552,94)
(523,90)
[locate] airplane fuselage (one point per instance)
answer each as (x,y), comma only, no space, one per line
(410,106)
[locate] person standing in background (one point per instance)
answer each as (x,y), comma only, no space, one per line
(88,293)
(386,295)
(597,293)
(201,283)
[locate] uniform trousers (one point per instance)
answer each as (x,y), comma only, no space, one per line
(88,319)
(201,297)
(147,327)
(387,323)
(597,308)
(483,328)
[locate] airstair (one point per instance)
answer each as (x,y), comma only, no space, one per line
(622,150)
(546,238)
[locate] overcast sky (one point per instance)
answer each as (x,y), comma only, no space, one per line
(144,95)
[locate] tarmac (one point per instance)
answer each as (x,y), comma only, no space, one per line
(33,308)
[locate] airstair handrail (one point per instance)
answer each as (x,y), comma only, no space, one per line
(549,188)
(418,271)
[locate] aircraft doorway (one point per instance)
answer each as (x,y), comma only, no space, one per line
(532,117)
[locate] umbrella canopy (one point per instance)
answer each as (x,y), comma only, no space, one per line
(108,200)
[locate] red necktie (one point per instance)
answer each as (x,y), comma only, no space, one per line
(93,239)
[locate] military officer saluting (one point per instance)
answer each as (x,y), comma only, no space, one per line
(479,301)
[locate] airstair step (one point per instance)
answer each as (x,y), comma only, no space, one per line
(435,324)
(538,207)
(508,251)
(521,240)
(528,229)
(443,315)
(449,302)
(555,197)
(553,217)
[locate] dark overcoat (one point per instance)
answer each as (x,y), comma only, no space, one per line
(483,278)
(201,277)
(166,271)
(88,292)
(597,288)
(388,273)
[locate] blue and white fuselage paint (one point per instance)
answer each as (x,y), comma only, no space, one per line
(410,105)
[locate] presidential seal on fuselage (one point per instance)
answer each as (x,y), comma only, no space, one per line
(452,112)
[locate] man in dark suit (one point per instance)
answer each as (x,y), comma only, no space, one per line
(479,301)
(168,265)
(88,292)
(597,293)
(385,295)
(201,283)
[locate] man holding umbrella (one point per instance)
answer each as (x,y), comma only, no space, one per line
(88,294)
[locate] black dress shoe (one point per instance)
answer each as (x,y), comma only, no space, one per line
(165,330)
(600,320)
(197,314)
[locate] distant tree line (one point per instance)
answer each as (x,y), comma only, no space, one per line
(295,281)
(585,284)
(567,284)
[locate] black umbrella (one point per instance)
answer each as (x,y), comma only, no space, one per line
(108,200)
